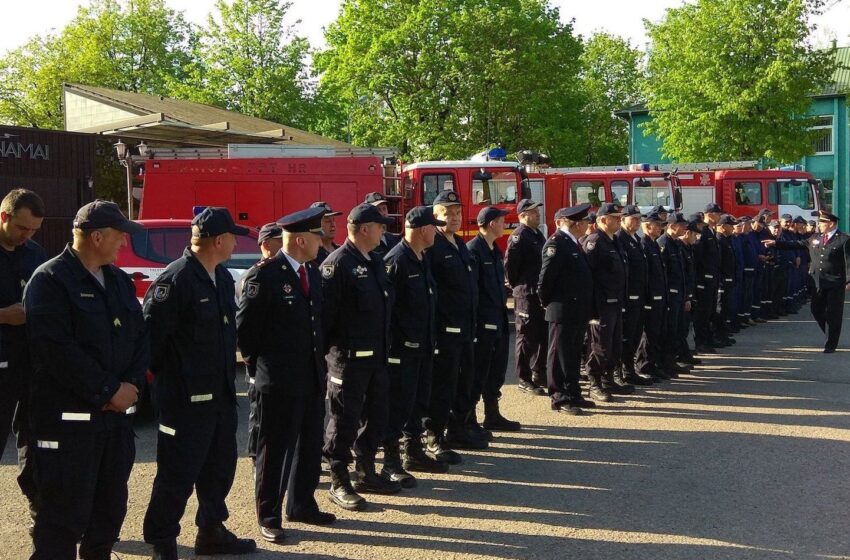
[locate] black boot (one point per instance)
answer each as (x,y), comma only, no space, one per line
(615,384)
(472,425)
(629,375)
(165,551)
(597,392)
(416,460)
(218,540)
(369,482)
(392,470)
(458,435)
(342,493)
(438,450)
(493,419)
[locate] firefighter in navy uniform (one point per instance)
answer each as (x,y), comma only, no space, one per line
(388,239)
(829,253)
(328,231)
(90,352)
(457,299)
(21,215)
(278,325)
(726,275)
(707,263)
(566,281)
(491,336)
(191,312)
(411,353)
(609,291)
(523,259)
(356,318)
(270,243)
(638,278)
(649,358)
(678,302)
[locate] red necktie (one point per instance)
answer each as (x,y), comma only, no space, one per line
(825,238)
(302,275)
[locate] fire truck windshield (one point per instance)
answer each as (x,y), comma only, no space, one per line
(501,189)
(799,193)
(651,192)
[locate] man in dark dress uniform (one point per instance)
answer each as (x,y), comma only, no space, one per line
(609,291)
(191,312)
(412,333)
(457,300)
(566,281)
(492,336)
(678,303)
(830,272)
(328,231)
(356,319)
(21,215)
(90,352)
(522,267)
(279,331)
(388,239)
(726,275)
(707,263)
(649,358)
(638,276)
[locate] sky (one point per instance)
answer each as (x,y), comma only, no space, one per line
(21,19)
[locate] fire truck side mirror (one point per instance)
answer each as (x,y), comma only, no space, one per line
(482,176)
(677,198)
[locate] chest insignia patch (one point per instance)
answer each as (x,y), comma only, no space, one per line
(327,271)
(360,271)
(116,323)
(287,288)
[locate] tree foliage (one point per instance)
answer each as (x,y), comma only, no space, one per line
(732,79)
(143,47)
(611,79)
(446,78)
(250,60)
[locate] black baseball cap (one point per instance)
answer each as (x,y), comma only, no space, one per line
(712,208)
(375,198)
(631,210)
(366,214)
(590,217)
(304,221)
(269,231)
(490,213)
(574,213)
(676,218)
(527,204)
(215,221)
(328,211)
(609,209)
(652,217)
(787,217)
(799,220)
(447,198)
(727,220)
(103,214)
(659,209)
(421,216)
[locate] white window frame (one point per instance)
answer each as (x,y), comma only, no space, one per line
(831,127)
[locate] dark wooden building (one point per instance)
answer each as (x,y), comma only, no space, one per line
(59,166)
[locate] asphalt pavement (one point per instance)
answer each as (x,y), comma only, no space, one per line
(747,457)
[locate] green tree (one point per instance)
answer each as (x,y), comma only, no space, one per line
(732,79)
(249,59)
(611,79)
(138,45)
(447,78)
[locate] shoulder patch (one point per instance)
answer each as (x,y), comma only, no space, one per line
(161,292)
(327,271)
(388,268)
(251,290)
(591,245)
(515,237)
(550,251)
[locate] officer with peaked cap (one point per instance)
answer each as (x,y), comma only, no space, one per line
(411,355)
(522,268)
(491,336)
(328,231)
(693,228)
(727,273)
(649,358)
(90,352)
(609,269)
(388,239)
(21,216)
(829,251)
(457,300)
(280,333)
(762,302)
(565,283)
(638,278)
(707,264)
(191,312)
(356,318)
